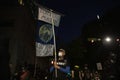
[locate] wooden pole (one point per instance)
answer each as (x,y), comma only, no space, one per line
(55,55)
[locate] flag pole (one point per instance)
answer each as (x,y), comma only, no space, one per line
(35,66)
(54,48)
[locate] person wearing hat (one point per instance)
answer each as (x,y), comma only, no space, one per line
(76,74)
(62,66)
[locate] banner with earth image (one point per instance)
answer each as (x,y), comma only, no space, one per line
(44,39)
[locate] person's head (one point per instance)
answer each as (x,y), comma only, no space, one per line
(85,66)
(76,67)
(61,53)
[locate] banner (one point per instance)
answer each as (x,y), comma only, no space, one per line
(47,16)
(45,33)
(99,66)
(44,39)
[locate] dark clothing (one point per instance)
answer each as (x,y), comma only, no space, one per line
(76,75)
(86,75)
(62,72)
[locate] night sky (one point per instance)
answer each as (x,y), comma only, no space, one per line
(77,13)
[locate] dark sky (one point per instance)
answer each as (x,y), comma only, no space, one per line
(77,13)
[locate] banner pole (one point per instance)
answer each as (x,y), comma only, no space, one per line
(55,56)
(35,66)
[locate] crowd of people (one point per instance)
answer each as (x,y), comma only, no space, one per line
(85,73)
(60,69)
(64,72)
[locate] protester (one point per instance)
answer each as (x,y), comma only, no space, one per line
(86,72)
(76,73)
(60,69)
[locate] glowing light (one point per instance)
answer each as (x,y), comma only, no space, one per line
(117,39)
(98,17)
(108,39)
(92,41)
(21,2)
(99,39)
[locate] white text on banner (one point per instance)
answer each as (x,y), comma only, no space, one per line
(45,15)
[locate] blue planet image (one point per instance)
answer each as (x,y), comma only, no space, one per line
(45,33)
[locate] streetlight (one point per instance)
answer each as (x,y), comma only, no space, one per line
(108,39)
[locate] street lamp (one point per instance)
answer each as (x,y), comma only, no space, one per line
(108,39)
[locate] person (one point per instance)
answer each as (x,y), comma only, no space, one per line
(24,74)
(62,67)
(96,75)
(86,73)
(76,73)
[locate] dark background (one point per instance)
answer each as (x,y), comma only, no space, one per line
(17,33)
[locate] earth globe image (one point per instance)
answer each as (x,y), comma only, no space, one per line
(45,33)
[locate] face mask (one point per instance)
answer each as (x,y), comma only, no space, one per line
(59,54)
(86,68)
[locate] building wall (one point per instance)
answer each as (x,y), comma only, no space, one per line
(17,25)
